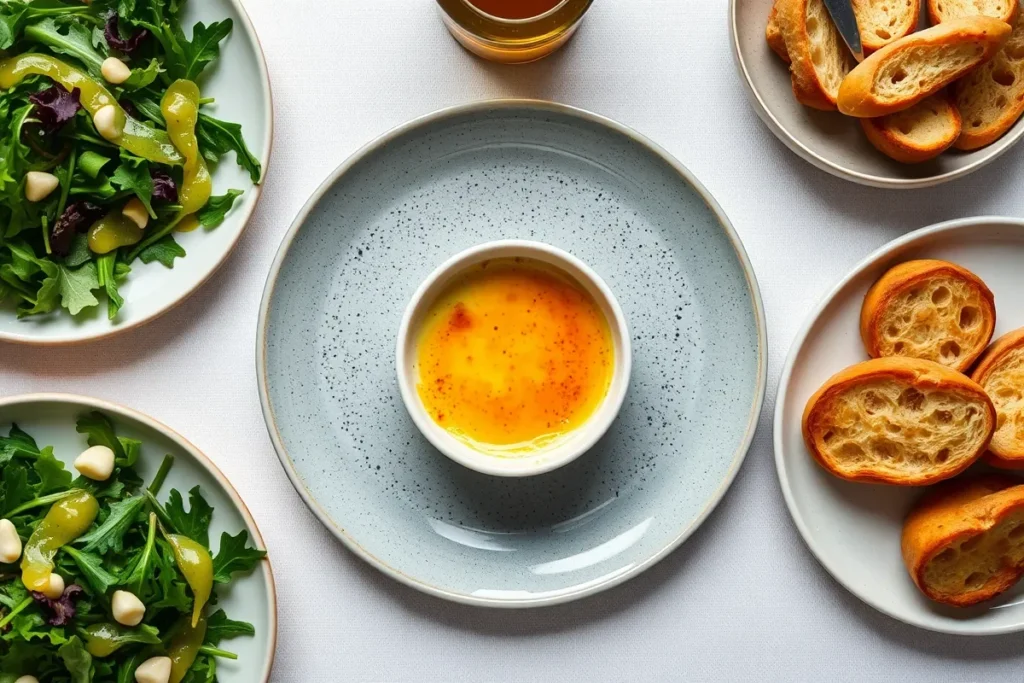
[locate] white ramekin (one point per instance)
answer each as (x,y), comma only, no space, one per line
(564,450)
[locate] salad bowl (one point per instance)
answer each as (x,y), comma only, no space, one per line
(238,85)
(249,597)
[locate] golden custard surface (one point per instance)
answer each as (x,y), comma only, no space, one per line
(512,356)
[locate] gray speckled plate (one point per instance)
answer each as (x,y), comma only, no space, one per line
(829,140)
(381,223)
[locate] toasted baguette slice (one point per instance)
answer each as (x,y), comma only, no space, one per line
(884,21)
(946,10)
(905,72)
(991,98)
(899,421)
(1000,372)
(918,134)
(964,541)
(818,57)
(929,309)
(773,34)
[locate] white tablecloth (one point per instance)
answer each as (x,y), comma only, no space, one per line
(743,599)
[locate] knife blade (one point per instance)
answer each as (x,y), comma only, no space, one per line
(846,22)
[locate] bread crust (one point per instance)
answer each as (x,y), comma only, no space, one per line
(952,513)
(857,93)
(920,374)
(888,139)
(808,88)
(773,35)
(904,276)
(937,16)
(1005,455)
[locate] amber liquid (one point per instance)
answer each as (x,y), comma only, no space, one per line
(513,31)
(514,9)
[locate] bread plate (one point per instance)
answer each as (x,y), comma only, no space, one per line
(374,231)
(854,529)
(832,142)
(240,84)
(51,417)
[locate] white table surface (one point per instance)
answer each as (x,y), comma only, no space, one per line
(743,599)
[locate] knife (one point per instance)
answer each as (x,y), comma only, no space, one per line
(846,21)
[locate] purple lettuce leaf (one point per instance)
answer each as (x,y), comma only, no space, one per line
(77,217)
(164,187)
(61,610)
(55,106)
(126,45)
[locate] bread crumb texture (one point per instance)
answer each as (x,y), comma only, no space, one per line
(924,68)
(938,319)
(1005,386)
(891,428)
(828,52)
(882,21)
(970,563)
(944,10)
(991,98)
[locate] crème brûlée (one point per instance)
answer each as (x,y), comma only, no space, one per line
(513,356)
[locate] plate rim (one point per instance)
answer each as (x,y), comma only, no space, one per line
(1012,137)
(484,107)
(245,216)
(201,459)
(799,340)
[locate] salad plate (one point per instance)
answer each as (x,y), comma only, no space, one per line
(854,529)
(511,169)
(50,419)
(237,85)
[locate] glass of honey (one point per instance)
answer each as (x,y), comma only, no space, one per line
(513,31)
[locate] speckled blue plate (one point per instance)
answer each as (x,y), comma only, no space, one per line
(494,170)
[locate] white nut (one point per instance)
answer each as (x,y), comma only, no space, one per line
(27,679)
(127,608)
(55,588)
(39,185)
(135,210)
(10,542)
(96,463)
(154,670)
(105,120)
(115,71)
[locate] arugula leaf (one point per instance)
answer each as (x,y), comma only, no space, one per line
(171,588)
(164,250)
(219,627)
(79,252)
(91,163)
(75,42)
(15,13)
(110,534)
(14,488)
(139,570)
(100,432)
(77,661)
(91,566)
(134,177)
(194,523)
(52,475)
(211,215)
(105,274)
(76,287)
(217,138)
(141,78)
(17,442)
(189,58)
(234,556)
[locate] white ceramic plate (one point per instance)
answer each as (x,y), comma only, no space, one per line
(829,140)
(241,86)
(854,529)
(50,420)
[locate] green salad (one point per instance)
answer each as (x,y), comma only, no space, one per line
(106,146)
(102,582)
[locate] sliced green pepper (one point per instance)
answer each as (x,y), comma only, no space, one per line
(103,640)
(135,136)
(196,565)
(112,231)
(180,107)
(66,520)
(185,646)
